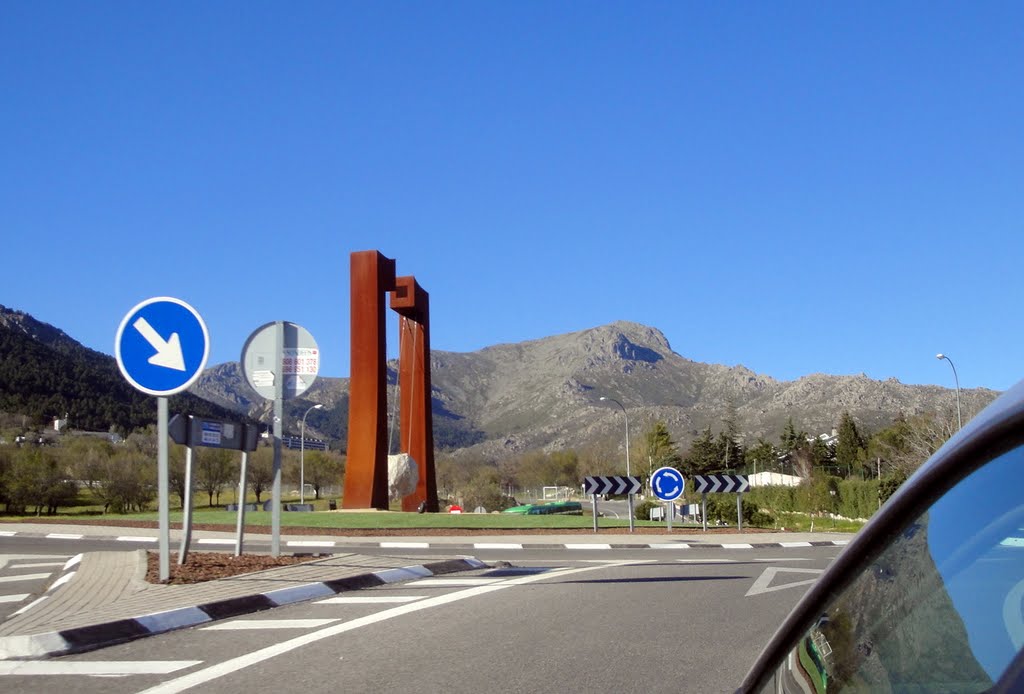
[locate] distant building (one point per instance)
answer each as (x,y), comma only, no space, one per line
(773,479)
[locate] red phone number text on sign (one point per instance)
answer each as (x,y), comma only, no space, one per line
(301,362)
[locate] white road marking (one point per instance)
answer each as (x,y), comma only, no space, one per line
(215,541)
(250,624)
(135,538)
(368,599)
(309,543)
(60,581)
(669,545)
(457,581)
(232,665)
(763,582)
(64,536)
(14,598)
(37,566)
(23,577)
(795,544)
(588,545)
(94,668)
(404,545)
(738,545)
(7,533)
(497,545)
(29,606)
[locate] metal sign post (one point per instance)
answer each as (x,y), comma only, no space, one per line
(594,507)
(161,348)
(721,484)
(280,361)
(240,525)
(163,489)
(614,484)
(212,433)
(186,511)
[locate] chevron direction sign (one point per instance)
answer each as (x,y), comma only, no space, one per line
(614,484)
(720,484)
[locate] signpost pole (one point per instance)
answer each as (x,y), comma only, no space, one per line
(186,511)
(594,507)
(739,512)
(704,510)
(630,512)
(669,512)
(241,505)
(163,489)
(275,513)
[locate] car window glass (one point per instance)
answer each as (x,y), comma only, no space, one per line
(940,610)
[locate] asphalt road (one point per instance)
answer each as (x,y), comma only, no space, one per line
(631,620)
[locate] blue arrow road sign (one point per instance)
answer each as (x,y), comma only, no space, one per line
(667,483)
(162,346)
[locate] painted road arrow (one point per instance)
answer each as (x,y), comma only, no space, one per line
(764,582)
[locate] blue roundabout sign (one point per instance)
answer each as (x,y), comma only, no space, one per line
(667,483)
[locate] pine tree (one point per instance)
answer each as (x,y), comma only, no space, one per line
(848,444)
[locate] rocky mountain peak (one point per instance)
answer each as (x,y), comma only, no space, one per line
(43,333)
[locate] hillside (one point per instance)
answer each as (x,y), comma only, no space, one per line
(496,402)
(545,394)
(46,374)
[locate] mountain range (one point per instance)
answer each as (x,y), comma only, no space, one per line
(540,394)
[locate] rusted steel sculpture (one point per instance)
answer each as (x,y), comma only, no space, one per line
(417,433)
(366,474)
(366,470)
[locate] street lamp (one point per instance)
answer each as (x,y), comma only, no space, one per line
(959,422)
(627,428)
(302,454)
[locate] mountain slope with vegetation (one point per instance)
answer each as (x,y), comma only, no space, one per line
(44,374)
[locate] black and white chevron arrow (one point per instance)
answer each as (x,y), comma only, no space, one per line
(712,484)
(615,484)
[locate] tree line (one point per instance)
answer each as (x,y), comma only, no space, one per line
(122,477)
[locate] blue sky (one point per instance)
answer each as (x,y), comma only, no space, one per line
(798,187)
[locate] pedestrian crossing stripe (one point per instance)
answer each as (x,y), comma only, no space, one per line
(254,624)
(94,668)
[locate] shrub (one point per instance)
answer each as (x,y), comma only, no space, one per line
(642,511)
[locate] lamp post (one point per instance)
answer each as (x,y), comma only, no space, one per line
(627,428)
(959,422)
(302,454)
(630,500)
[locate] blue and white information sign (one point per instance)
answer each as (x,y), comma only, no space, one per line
(667,483)
(162,346)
